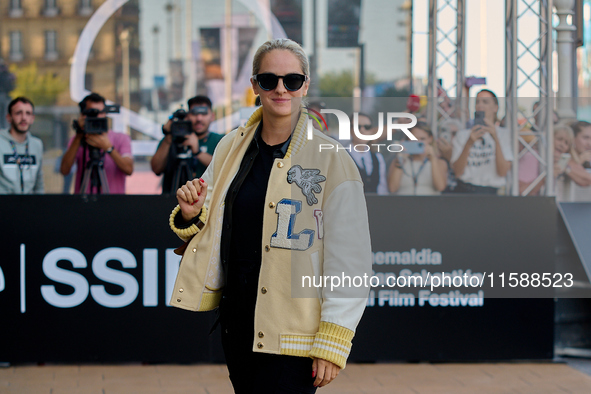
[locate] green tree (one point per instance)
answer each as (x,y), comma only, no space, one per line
(41,89)
(337,84)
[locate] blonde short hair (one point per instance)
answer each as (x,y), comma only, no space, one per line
(561,127)
(284,44)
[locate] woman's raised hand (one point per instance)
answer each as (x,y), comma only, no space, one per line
(191,197)
(477,133)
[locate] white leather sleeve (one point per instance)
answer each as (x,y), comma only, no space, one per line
(347,253)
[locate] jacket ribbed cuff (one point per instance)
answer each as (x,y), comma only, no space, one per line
(332,343)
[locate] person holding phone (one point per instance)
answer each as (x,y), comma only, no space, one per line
(564,138)
(447,133)
(482,155)
(582,143)
(576,175)
(420,173)
(563,153)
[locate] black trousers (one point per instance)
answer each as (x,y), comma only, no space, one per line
(252,372)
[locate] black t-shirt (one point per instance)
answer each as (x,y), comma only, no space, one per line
(243,222)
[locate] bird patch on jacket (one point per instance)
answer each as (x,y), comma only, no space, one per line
(308,180)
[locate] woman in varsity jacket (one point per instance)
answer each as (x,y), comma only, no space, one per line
(270,227)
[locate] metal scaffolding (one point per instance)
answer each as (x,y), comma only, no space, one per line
(535,133)
(446,49)
(529,136)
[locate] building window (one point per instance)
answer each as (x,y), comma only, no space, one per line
(88,81)
(85,7)
(15,9)
(134,85)
(51,8)
(16,46)
(51,45)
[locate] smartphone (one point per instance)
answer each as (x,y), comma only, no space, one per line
(413,147)
(479,118)
(563,161)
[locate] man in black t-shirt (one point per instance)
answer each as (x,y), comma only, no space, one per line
(201,144)
(371,164)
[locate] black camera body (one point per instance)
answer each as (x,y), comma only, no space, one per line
(95,125)
(180,128)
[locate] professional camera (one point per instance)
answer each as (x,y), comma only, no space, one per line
(180,127)
(180,154)
(95,125)
(94,171)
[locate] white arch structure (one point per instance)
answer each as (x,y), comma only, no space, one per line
(127,117)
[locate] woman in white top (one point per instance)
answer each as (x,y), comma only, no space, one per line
(563,152)
(422,174)
(482,155)
(574,179)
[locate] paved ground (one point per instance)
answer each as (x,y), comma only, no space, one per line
(356,378)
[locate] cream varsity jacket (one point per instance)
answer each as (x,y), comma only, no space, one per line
(315,231)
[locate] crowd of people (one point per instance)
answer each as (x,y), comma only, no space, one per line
(475,157)
(238,197)
(99,159)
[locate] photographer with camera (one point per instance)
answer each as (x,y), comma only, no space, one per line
(187,147)
(112,150)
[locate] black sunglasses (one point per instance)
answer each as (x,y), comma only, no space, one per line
(365,126)
(292,82)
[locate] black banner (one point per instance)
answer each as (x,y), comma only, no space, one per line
(87,279)
(463,234)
